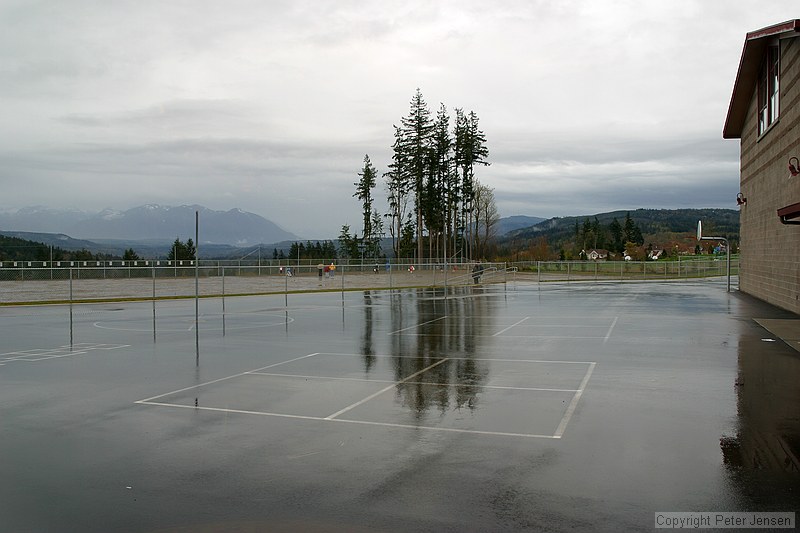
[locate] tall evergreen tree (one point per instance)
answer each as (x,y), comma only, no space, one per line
(130,255)
(586,234)
(417,133)
(377,234)
(437,170)
(442,196)
(363,192)
(464,189)
(348,244)
(631,231)
(617,244)
(181,251)
(470,150)
(406,245)
(397,185)
(598,234)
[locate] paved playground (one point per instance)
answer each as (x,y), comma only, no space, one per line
(489,408)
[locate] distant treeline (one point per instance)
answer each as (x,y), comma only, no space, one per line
(15,249)
(308,250)
(672,230)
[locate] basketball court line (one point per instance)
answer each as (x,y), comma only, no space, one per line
(460,296)
(348,421)
(41,354)
(204,320)
(148,400)
(610,329)
(385,389)
(574,403)
(512,326)
(568,337)
(394,382)
(498,359)
(418,325)
(566,417)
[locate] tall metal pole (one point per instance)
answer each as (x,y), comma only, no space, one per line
(197,281)
(728,248)
(196,260)
(154,301)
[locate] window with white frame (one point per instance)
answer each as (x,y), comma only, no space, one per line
(769,89)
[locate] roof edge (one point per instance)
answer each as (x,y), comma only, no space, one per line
(775,29)
(744,85)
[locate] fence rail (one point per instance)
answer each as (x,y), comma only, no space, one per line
(624,270)
(43,281)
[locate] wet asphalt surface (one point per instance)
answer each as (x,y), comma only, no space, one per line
(571,408)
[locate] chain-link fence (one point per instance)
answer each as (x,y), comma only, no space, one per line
(32,281)
(542,271)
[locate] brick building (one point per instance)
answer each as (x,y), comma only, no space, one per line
(764,113)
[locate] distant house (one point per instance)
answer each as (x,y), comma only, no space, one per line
(596,254)
(764,115)
(655,254)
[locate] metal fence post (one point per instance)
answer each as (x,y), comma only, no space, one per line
(445,276)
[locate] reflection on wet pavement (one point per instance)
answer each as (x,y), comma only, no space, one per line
(768,409)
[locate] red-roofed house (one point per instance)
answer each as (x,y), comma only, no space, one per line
(764,113)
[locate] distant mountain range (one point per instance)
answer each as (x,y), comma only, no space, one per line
(151,229)
(154,223)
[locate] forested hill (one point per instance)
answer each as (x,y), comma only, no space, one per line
(17,249)
(651,222)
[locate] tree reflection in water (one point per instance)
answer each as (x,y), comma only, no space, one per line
(430,328)
(367,348)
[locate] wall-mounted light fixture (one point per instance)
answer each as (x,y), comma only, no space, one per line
(794,166)
(740,199)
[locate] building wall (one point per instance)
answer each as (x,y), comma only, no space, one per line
(770,251)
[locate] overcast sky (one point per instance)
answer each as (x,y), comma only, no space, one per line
(270,106)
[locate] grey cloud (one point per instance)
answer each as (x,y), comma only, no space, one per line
(270,106)
(175,113)
(189,156)
(591,194)
(602,147)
